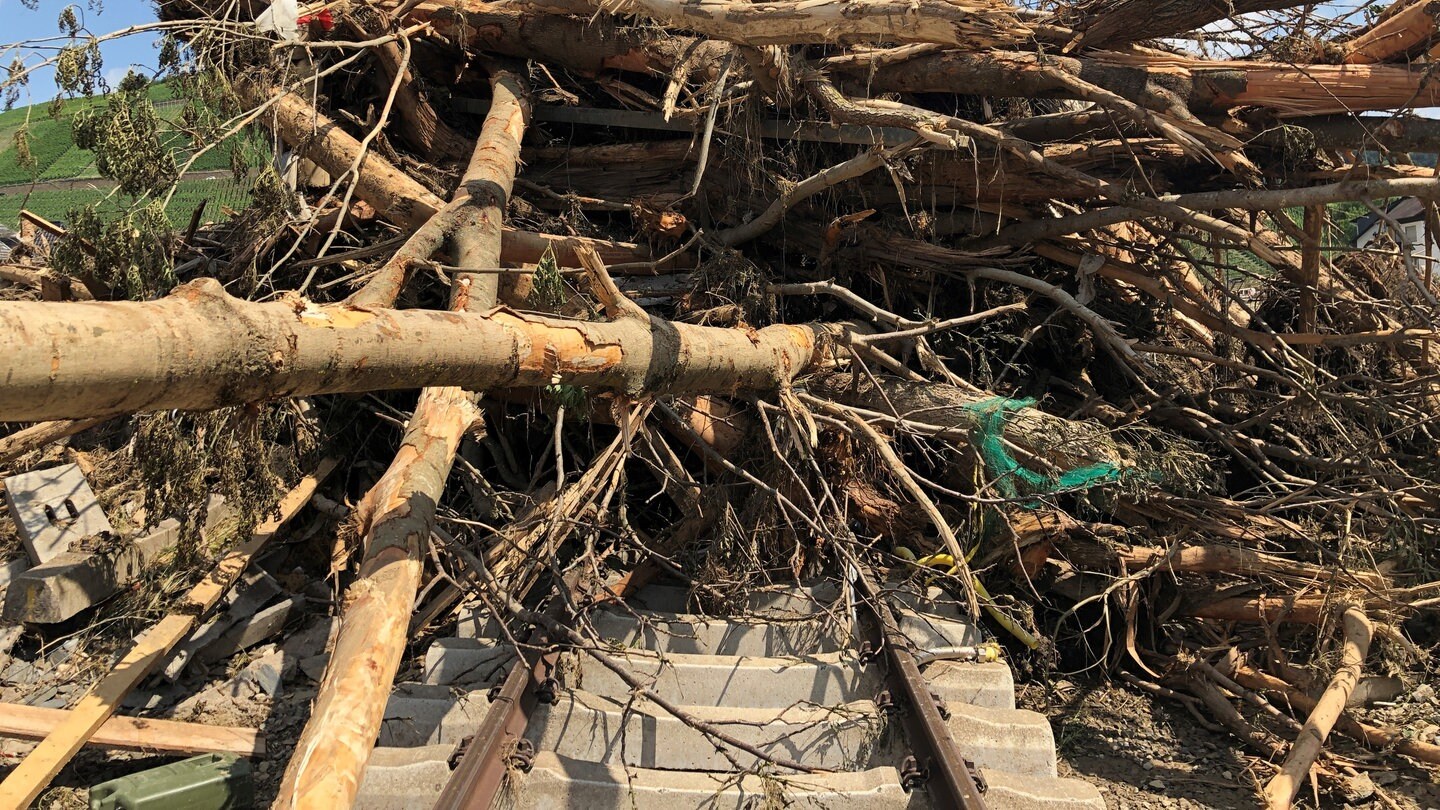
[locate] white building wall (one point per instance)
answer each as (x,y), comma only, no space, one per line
(1414,234)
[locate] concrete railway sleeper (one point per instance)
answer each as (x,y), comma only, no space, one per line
(799,675)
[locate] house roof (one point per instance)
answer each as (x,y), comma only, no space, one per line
(1405,209)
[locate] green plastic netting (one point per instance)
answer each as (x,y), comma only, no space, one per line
(1010,476)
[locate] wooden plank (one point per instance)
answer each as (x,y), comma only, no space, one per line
(42,223)
(31,776)
(135,733)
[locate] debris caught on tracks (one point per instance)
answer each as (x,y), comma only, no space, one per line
(559,356)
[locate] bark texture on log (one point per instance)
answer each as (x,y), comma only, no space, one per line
(418,121)
(400,510)
(973,23)
(399,198)
(1159,82)
(200,348)
(1402,133)
(314,136)
(329,760)
(1246,199)
(36,436)
(586,44)
(1103,23)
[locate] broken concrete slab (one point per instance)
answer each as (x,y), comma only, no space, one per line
(267,673)
(53,508)
(252,630)
(264,675)
(398,778)
(252,592)
(309,648)
(10,569)
(9,634)
(73,581)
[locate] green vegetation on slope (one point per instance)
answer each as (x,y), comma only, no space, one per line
(57,203)
(50,139)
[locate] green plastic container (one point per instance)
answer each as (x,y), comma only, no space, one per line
(206,782)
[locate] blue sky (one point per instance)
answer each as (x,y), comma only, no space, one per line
(19,24)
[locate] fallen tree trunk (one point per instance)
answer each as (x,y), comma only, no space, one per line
(1267,609)
(401,199)
(418,122)
(326,767)
(36,436)
(329,760)
(1157,82)
(1381,738)
(199,348)
(1401,133)
(1108,23)
(586,44)
(1281,790)
(1208,559)
(1245,199)
(957,414)
(973,23)
(1395,36)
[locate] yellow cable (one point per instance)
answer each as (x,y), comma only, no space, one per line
(947,561)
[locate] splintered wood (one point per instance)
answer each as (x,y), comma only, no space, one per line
(1116,320)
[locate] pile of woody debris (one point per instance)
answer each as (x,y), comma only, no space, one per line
(1056,306)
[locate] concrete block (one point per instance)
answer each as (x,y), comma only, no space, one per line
(420,714)
(73,581)
(558,782)
(584,726)
(404,778)
(990,685)
(1013,791)
(10,569)
(252,630)
(776,602)
(681,633)
(1012,740)
(928,631)
(267,673)
(53,508)
(474,622)
(308,647)
(469,662)
(823,679)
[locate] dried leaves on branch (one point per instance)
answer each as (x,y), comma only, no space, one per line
(1062,310)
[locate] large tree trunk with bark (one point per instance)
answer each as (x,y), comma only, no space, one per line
(1162,82)
(200,348)
(399,511)
(1076,262)
(1112,23)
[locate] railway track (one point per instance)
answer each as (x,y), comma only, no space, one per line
(901,707)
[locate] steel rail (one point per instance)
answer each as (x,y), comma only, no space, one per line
(480,775)
(945,769)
